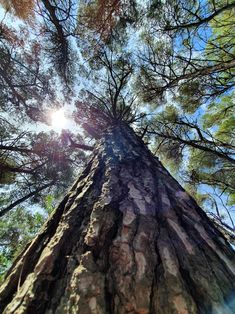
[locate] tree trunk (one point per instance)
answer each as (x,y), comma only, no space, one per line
(127,238)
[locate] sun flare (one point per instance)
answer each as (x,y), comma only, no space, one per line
(58,119)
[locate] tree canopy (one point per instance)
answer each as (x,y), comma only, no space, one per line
(165,67)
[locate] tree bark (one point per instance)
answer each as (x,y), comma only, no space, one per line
(126,238)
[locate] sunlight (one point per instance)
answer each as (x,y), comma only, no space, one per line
(58,120)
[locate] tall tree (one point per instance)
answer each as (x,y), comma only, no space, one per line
(137,243)
(127,238)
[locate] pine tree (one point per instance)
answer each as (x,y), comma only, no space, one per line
(126,238)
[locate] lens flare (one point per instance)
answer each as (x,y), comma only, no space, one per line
(58,120)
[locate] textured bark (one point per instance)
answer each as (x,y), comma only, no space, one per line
(127,238)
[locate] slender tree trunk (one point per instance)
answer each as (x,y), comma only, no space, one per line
(126,239)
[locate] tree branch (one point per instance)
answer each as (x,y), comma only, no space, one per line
(24,198)
(201,20)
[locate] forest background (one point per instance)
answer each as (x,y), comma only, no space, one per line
(169,68)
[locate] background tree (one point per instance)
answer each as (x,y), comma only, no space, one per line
(189,65)
(34,163)
(15,7)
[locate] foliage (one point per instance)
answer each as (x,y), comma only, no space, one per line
(17,228)
(22,9)
(100,16)
(164,67)
(189,66)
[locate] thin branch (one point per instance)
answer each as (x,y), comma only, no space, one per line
(24,198)
(201,20)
